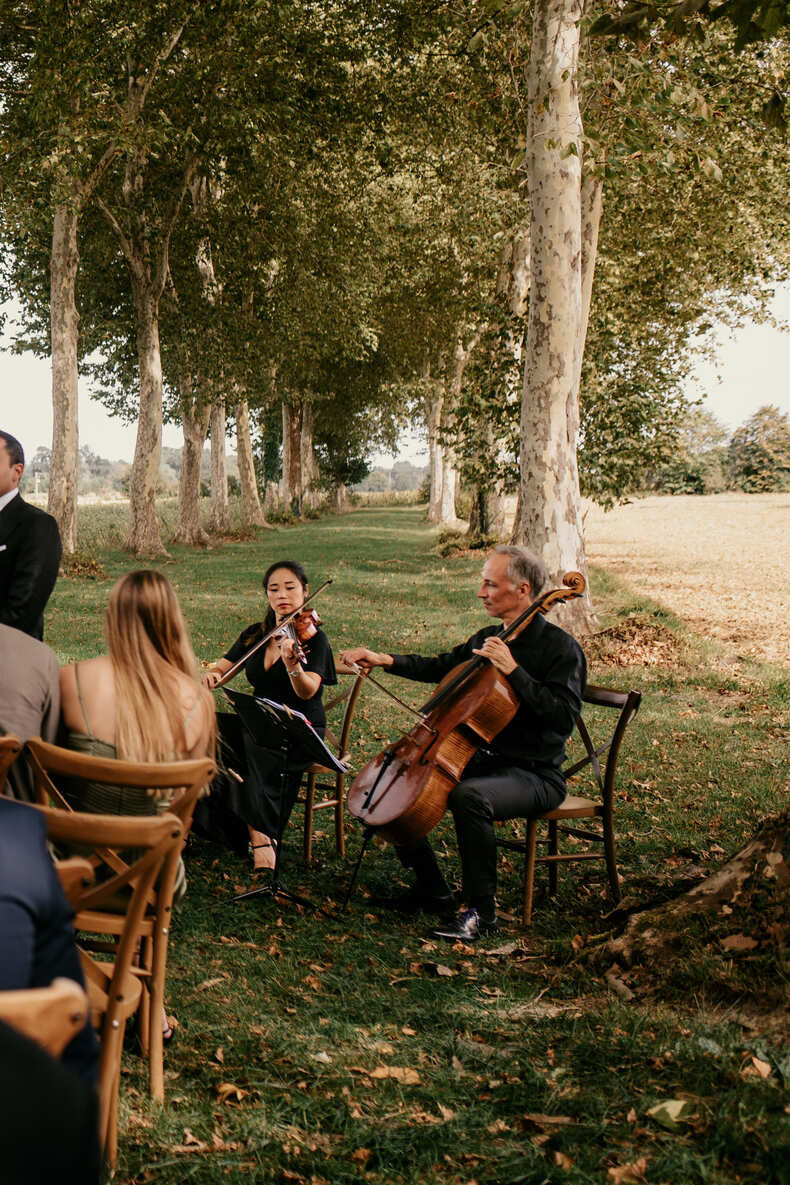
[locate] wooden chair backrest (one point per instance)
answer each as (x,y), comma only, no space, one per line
(154,839)
(50,1015)
(186,778)
(602,759)
(10,748)
(349,697)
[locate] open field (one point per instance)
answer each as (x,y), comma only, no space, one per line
(351,1047)
(721,563)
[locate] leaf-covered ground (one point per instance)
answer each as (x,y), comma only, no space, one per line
(329,1046)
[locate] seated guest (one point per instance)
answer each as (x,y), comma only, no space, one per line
(29,547)
(36,932)
(30,701)
(142,701)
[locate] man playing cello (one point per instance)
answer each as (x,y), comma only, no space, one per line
(520,773)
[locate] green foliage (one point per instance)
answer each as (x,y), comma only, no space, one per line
(699,458)
(759,453)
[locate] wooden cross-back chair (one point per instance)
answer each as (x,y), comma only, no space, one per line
(328,781)
(50,1015)
(600,762)
(10,748)
(114,990)
(186,778)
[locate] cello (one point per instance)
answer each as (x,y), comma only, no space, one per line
(402,794)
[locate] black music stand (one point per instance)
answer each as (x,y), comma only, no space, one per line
(284,732)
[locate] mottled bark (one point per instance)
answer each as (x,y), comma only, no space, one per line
(144,537)
(550,509)
(310,495)
(292,481)
(219,511)
(591,211)
(251,510)
(759,872)
(341,500)
(64,337)
(435,452)
(194,423)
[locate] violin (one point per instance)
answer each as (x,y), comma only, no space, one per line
(300,629)
(403,792)
(305,622)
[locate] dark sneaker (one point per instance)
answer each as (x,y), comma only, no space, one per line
(468,926)
(414,900)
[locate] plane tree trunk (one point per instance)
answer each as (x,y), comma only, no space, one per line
(550,521)
(219,513)
(64,338)
(251,509)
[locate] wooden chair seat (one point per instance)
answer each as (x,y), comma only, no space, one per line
(600,763)
(99,983)
(52,1015)
(10,748)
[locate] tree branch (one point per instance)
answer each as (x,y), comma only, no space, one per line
(126,246)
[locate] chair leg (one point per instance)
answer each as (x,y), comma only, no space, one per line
(553,849)
(611,862)
(309,798)
(340,835)
(529,869)
(156,1039)
(144,1021)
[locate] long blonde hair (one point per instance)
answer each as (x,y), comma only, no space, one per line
(149,645)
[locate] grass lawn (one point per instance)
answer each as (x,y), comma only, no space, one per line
(351,1047)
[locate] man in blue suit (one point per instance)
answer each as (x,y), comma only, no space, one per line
(30,548)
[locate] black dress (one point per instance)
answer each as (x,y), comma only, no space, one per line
(256,799)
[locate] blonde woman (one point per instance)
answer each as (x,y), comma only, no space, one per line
(143,700)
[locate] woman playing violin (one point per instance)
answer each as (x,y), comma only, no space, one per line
(289,671)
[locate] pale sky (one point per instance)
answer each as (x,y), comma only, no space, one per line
(752,368)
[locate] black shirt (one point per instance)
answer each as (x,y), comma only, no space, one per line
(276,684)
(549,680)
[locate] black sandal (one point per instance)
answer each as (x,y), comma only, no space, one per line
(253,847)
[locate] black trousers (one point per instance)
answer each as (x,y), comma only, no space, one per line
(489,791)
(255,801)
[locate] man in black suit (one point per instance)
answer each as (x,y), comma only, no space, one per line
(29,548)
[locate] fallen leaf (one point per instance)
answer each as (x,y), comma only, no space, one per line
(762,1068)
(322,1057)
(402,1074)
(219,1056)
(210,983)
(190,1138)
(446,1113)
(407,1032)
(541,1120)
(738,942)
(618,986)
(313,982)
(670,1113)
(498,1126)
(361,1155)
(509,948)
(629,1174)
(562,1161)
(631,1117)
(228,1091)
